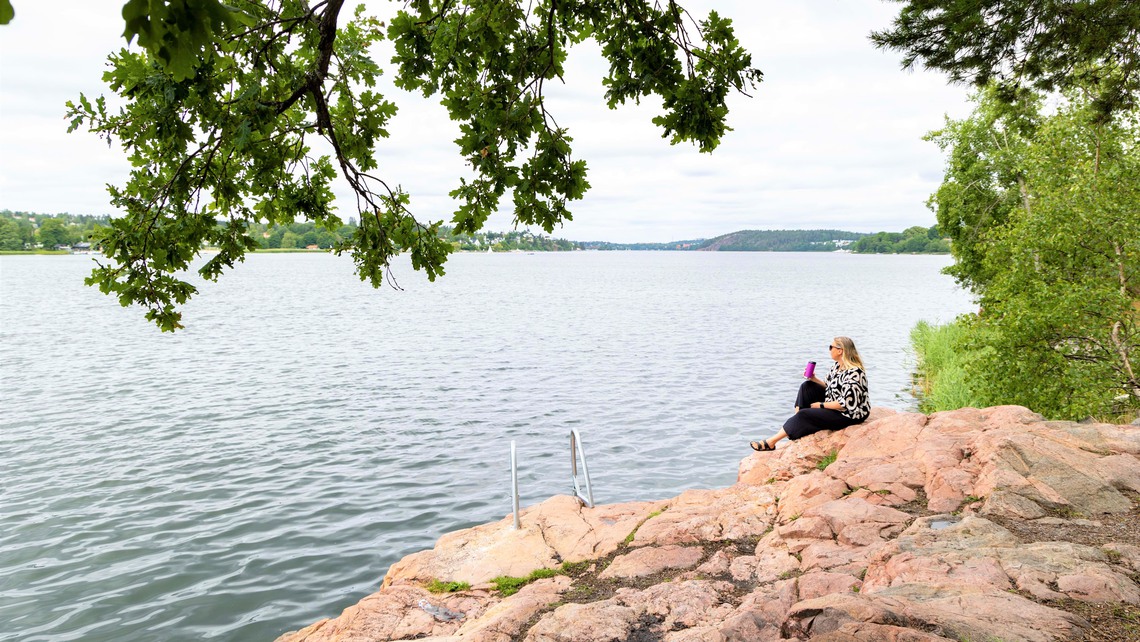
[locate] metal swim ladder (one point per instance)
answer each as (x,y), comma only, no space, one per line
(576,452)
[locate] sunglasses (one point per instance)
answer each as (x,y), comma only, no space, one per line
(830,347)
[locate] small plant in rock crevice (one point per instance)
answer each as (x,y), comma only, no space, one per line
(827,460)
(629,538)
(507,585)
(439,586)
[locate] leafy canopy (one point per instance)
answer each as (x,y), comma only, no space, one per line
(226,107)
(985,178)
(1047,234)
(1043,44)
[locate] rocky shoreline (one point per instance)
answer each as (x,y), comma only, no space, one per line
(981,525)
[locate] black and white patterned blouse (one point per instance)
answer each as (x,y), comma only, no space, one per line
(849,388)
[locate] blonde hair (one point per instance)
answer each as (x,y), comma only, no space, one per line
(850,357)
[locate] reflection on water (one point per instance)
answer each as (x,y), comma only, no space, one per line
(264,467)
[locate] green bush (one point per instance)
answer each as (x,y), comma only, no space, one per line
(942,376)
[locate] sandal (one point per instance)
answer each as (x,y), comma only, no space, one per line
(761,446)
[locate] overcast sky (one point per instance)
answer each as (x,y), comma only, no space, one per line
(831,139)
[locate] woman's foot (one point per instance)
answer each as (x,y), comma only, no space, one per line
(761,446)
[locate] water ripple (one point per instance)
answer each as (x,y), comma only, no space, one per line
(263,468)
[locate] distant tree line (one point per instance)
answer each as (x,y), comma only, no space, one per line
(523,240)
(28,230)
(913,240)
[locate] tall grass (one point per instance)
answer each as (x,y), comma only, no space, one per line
(942,378)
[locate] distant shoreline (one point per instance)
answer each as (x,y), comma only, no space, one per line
(212,250)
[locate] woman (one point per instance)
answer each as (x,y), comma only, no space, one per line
(836,403)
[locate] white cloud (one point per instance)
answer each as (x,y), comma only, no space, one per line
(832,137)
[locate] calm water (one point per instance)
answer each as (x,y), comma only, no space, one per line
(263,468)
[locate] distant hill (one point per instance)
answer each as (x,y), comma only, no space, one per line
(746,241)
(780,241)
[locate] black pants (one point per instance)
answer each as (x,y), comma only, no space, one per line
(811,420)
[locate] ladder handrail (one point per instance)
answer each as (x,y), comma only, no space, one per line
(576,450)
(515,485)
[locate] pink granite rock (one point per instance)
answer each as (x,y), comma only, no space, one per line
(925,579)
(765,609)
(885,494)
(1127,554)
(605,621)
(1044,464)
(798,534)
(869,632)
(875,474)
(819,583)
(503,621)
(652,559)
(559,529)
(398,613)
(807,491)
(716,565)
(859,515)
(681,604)
(736,512)
(974,553)
(1003,503)
(883,439)
(771,561)
(840,558)
(957,614)
(651,612)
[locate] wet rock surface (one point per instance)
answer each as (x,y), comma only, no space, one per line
(973,524)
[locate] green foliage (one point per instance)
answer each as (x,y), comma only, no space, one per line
(1044,44)
(16,233)
(827,460)
(984,181)
(53,232)
(943,379)
(1064,298)
(1058,273)
(223,108)
(438,586)
(507,586)
(6,12)
(179,34)
(913,240)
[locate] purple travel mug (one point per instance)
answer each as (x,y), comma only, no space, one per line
(809,370)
